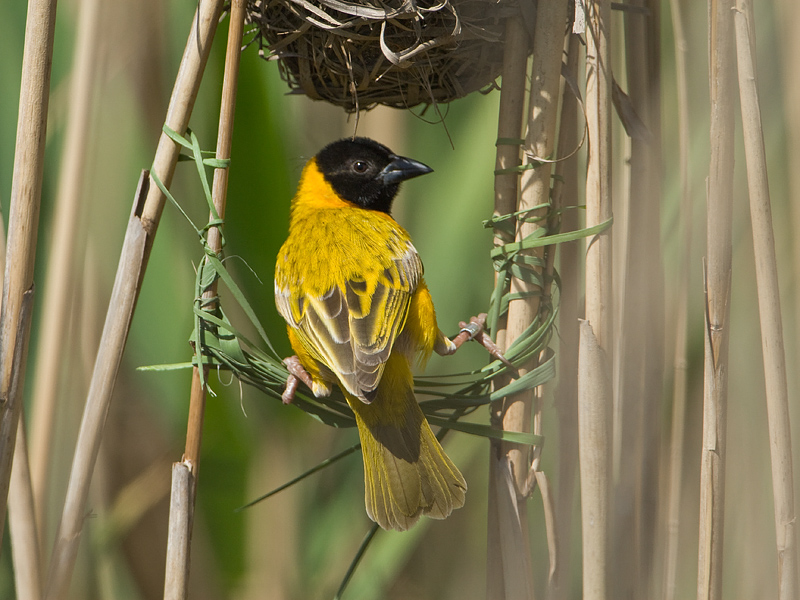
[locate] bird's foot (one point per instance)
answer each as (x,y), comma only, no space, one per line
(475,330)
(297,373)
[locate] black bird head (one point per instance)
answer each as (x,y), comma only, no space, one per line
(366,173)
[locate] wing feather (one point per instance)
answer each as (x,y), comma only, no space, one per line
(351,328)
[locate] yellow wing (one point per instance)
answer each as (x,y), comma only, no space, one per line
(351,328)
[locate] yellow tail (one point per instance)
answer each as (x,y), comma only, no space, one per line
(406,472)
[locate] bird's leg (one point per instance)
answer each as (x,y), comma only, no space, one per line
(297,373)
(289,389)
(474,330)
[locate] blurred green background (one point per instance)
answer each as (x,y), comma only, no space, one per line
(299,544)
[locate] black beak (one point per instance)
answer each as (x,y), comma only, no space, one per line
(400,169)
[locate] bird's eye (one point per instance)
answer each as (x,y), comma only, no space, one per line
(360,166)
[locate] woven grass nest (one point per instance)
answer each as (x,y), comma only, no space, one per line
(400,53)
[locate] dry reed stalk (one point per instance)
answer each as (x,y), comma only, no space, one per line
(787,22)
(23,225)
(548,44)
(21,517)
(718,293)
(2,253)
(100,500)
(594,393)
(181,515)
(641,327)
(509,128)
(536,476)
(594,429)
(182,504)
(565,194)
(777,392)
(89,437)
(656,344)
(509,131)
(681,319)
(598,171)
(142,226)
(22,524)
(61,265)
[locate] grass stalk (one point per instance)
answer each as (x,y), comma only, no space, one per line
(22,524)
(61,267)
(718,292)
(680,359)
(777,392)
(509,128)
(146,213)
(182,504)
(565,193)
(595,359)
(23,225)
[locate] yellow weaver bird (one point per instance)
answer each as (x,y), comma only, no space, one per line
(349,283)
